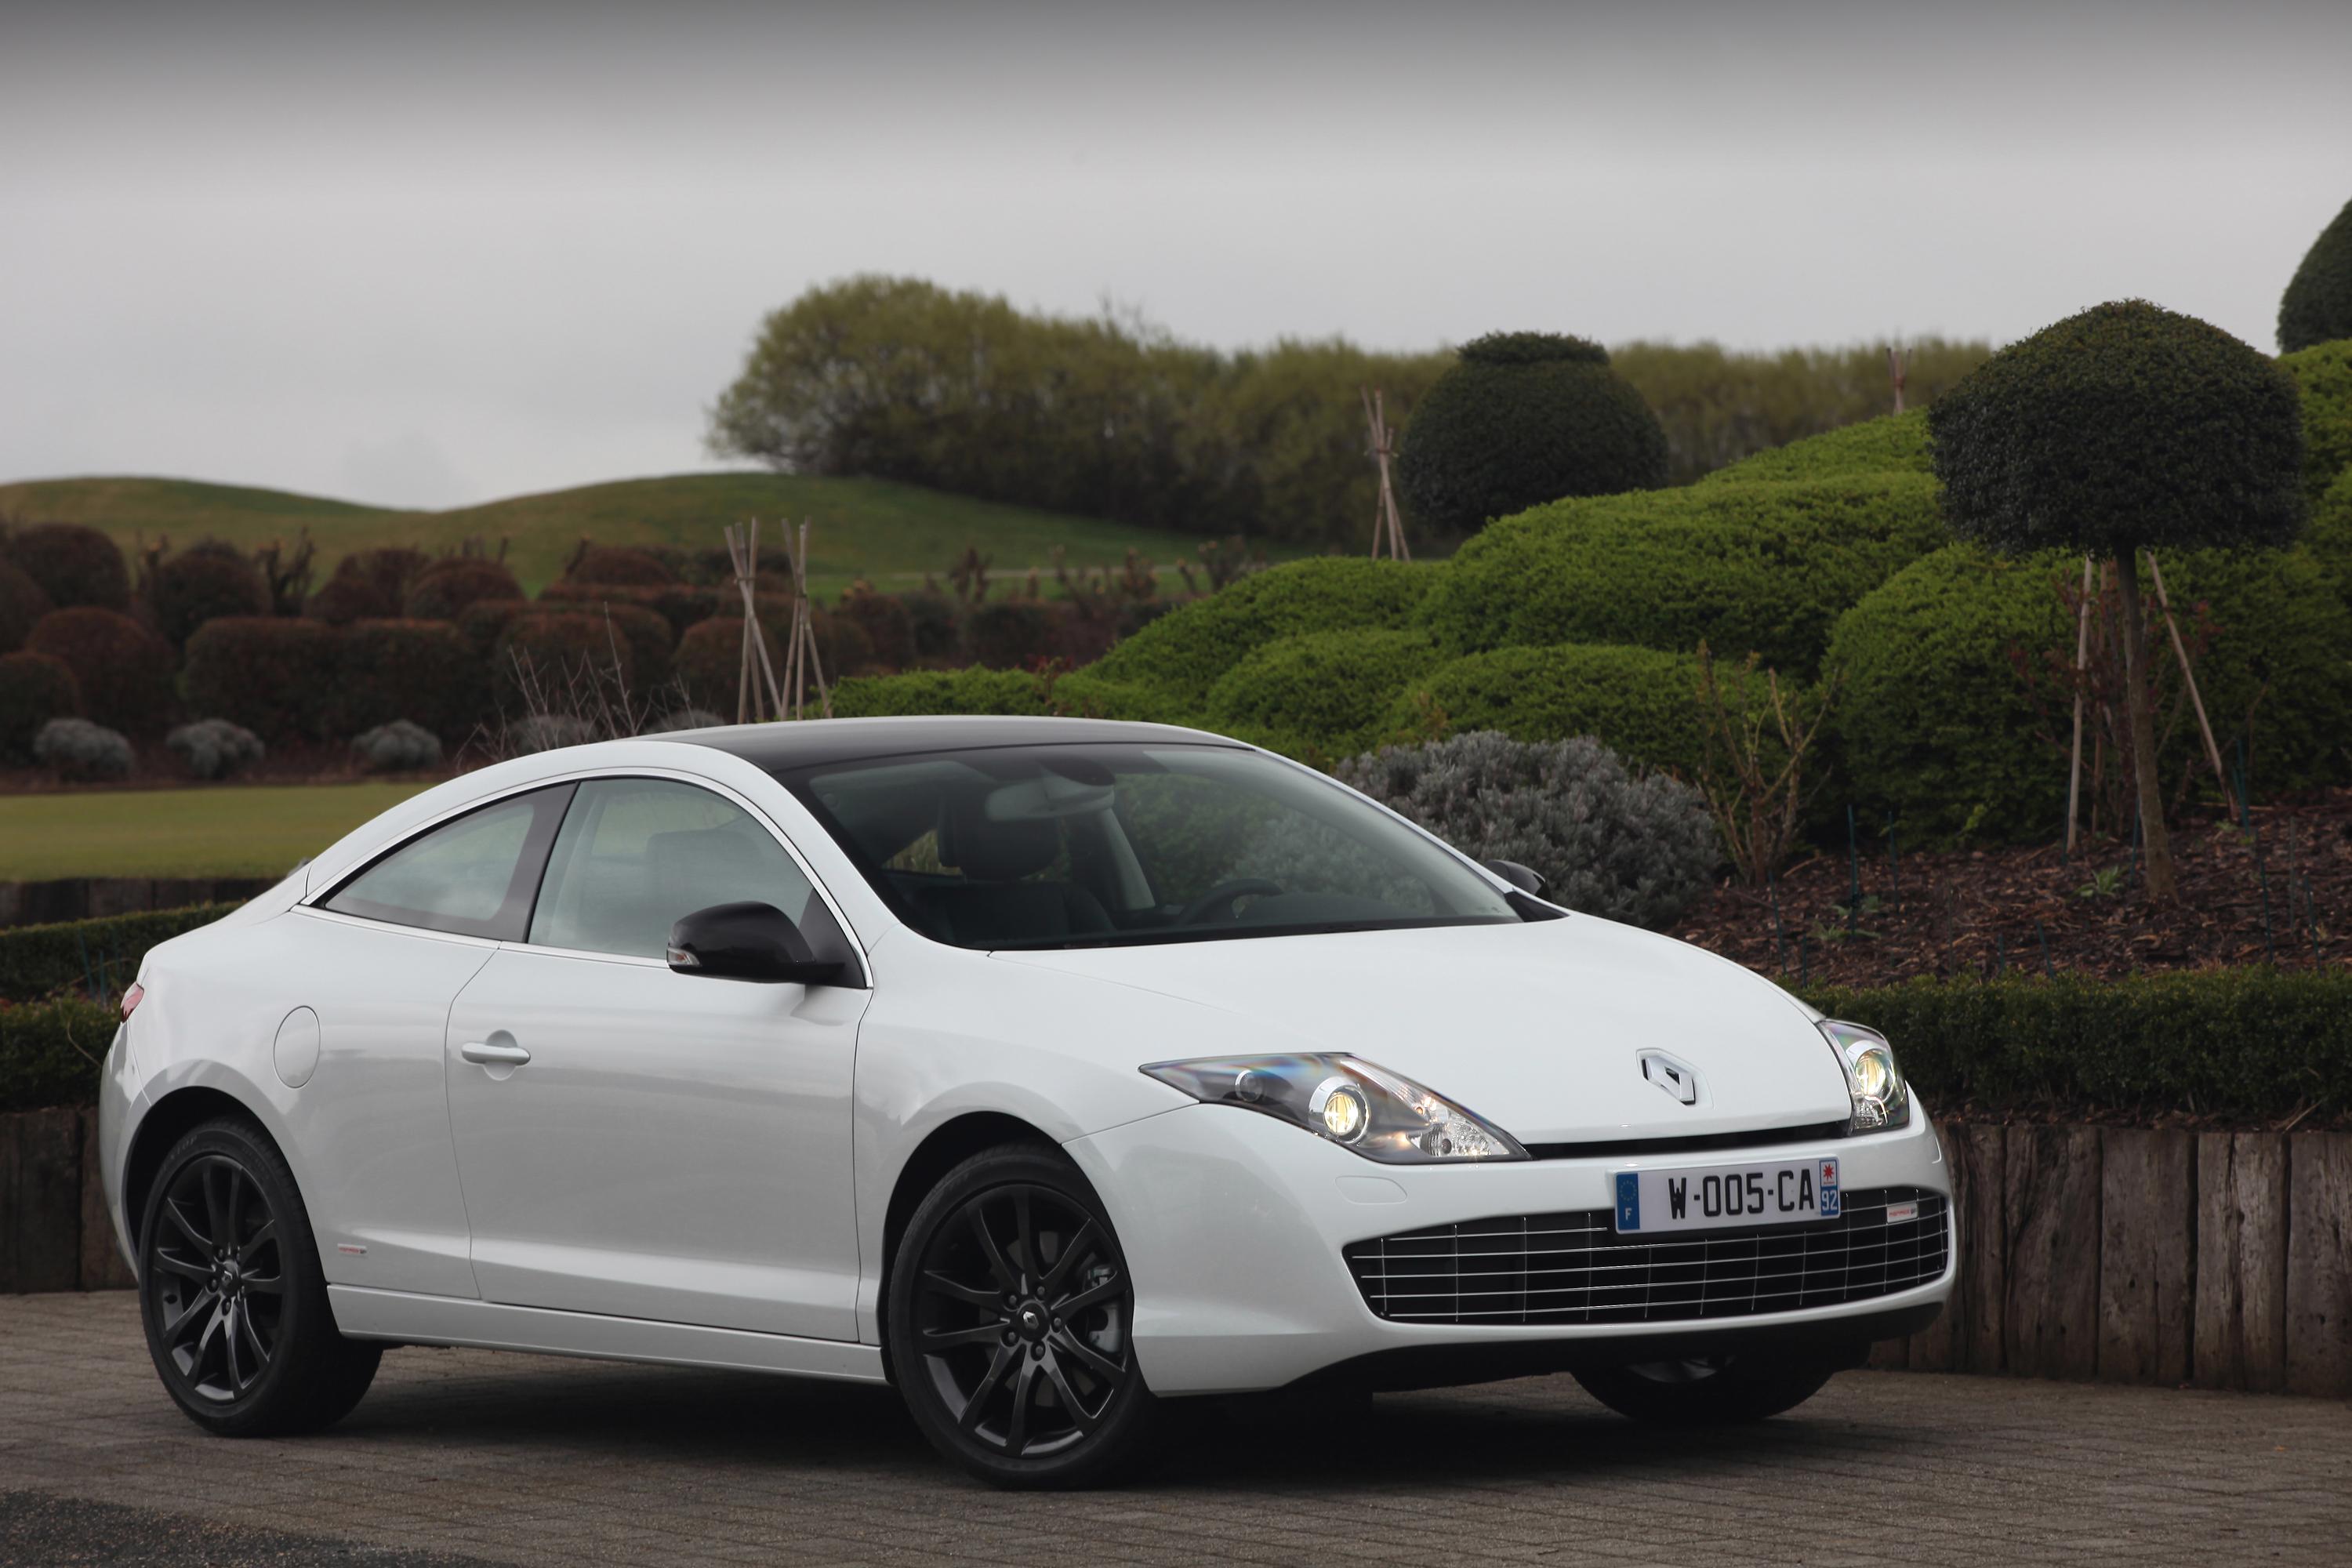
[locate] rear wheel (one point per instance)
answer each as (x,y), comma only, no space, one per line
(1705,1391)
(1011,1324)
(232,1295)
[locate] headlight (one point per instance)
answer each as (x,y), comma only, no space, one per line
(1882,1100)
(1361,1108)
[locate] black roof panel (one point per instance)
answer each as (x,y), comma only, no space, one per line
(809,743)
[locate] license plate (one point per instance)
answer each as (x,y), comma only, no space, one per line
(1709,1197)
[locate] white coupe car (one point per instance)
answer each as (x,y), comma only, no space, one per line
(1048,1070)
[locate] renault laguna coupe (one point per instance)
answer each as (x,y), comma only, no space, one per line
(1049,1070)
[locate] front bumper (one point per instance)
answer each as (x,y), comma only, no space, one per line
(1233,1226)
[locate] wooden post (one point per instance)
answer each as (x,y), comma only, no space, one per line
(2051,1315)
(2155,845)
(2147,1217)
(2241,1261)
(2082,659)
(2318,1264)
(2180,651)
(1388,527)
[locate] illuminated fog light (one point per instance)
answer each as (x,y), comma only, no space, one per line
(1341,1105)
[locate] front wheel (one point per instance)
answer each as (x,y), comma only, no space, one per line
(1012,1322)
(1707,1391)
(232,1295)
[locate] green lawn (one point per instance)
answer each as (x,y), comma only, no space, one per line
(890,533)
(257,831)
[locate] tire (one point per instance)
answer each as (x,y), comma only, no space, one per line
(232,1295)
(1009,1325)
(1710,1391)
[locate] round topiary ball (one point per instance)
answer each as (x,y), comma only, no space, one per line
(124,670)
(619,566)
(2324,374)
(21,604)
(710,658)
(2126,425)
(399,747)
(33,689)
(2318,305)
(1524,418)
(1606,840)
(203,584)
(73,564)
(545,655)
(343,600)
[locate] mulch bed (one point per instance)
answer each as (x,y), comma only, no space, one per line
(2278,892)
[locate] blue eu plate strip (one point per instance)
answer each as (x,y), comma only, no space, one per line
(1629,1201)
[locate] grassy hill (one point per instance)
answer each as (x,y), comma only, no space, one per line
(890,533)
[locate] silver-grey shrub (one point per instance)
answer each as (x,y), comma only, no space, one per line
(399,747)
(1608,841)
(546,732)
(684,719)
(214,748)
(81,750)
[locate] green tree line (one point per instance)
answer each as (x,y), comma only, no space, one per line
(1111,416)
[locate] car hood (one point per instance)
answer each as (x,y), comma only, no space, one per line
(1537,1028)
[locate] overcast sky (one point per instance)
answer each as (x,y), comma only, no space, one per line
(424,255)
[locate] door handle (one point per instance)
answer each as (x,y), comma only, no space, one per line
(491,1055)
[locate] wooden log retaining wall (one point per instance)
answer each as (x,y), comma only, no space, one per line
(2221,1260)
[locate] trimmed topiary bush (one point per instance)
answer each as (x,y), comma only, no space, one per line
(1753,568)
(21,604)
(214,748)
(123,669)
(1934,724)
(2318,305)
(384,574)
(203,583)
(619,566)
(1895,444)
(421,671)
(646,634)
(34,688)
(2329,533)
(443,590)
(83,752)
(347,599)
(399,747)
(481,622)
(1175,659)
(709,659)
(1607,841)
(557,647)
(74,565)
(2122,428)
(1319,694)
(972,691)
(277,677)
(889,625)
(1525,418)
(1640,703)
(2324,376)
(1014,634)
(938,626)
(681,605)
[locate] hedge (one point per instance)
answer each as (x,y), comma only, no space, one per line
(2324,376)
(424,671)
(1760,568)
(1934,722)
(618,565)
(50,1052)
(2245,1044)
(21,604)
(124,670)
(972,691)
(203,583)
(94,956)
(1320,696)
(556,648)
(1895,444)
(1174,660)
(709,664)
(682,604)
(274,675)
(71,563)
(444,589)
(33,689)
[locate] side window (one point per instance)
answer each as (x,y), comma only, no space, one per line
(473,877)
(636,854)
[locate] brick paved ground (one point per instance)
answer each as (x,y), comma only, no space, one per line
(472,1456)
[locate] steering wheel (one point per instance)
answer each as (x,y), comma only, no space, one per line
(1222,897)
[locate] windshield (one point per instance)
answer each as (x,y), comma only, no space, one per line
(1076,846)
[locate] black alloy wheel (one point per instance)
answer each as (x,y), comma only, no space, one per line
(232,1295)
(1010,1325)
(1708,1390)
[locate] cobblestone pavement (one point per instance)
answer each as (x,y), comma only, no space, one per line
(466,1457)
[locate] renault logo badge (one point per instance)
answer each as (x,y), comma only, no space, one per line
(1674,1077)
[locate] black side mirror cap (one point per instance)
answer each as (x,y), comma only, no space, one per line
(1525,879)
(747,942)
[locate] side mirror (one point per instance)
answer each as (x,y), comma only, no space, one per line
(746,941)
(1526,881)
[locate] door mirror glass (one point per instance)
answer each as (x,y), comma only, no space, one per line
(746,941)
(1525,879)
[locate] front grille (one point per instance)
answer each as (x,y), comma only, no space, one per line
(1575,1268)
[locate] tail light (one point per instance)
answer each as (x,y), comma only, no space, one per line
(133,997)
